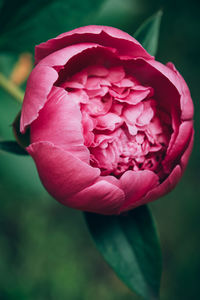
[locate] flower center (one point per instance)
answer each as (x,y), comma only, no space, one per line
(123,127)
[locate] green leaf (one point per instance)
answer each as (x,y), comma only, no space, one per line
(20,12)
(8,107)
(34,21)
(148,33)
(22,139)
(130,245)
(13,147)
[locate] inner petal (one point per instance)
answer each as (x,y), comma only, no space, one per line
(123,127)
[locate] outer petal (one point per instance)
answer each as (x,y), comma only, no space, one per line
(135,185)
(59,122)
(42,79)
(153,74)
(177,80)
(186,100)
(62,174)
(38,87)
(102,197)
(62,56)
(186,155)
(165,187)
(174,153)
(102,35)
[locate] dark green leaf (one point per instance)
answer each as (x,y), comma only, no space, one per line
(148,33)
(13,147)
(130,245)
(16,13)
(8,107)
(34,22)
(22,139)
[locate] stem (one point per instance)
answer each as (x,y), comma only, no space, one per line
(11,88)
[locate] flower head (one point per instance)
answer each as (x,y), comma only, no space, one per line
(110,127)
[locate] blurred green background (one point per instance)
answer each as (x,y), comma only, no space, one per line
(45,249)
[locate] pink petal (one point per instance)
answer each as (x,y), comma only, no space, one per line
(124,83)
(173,76)
(72,84)
(97,70)
(59,122)
(78,97)
(186,101)
(162,189)
(186,155)
(117,108)
(62,56)
(42,79)
(146,115)
(119,93)
(135,185)
(181,143)
(103,35)
(115,74)
(88,125)
(150,73)
(131,113)
(102,91)
(132,129)
(62,174)
(109,121)
(97,107)
(136,95)
(93,83)
(102,197)
(38,87)
(103,139)
(155,126)
(80,77)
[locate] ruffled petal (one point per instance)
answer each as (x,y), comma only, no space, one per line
(131,113)
(110,121)
(62,174)
(59,122)
(135,185)
(103,35)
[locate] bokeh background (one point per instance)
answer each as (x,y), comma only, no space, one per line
(45,249)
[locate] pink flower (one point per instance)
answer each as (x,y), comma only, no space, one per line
(110,127)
